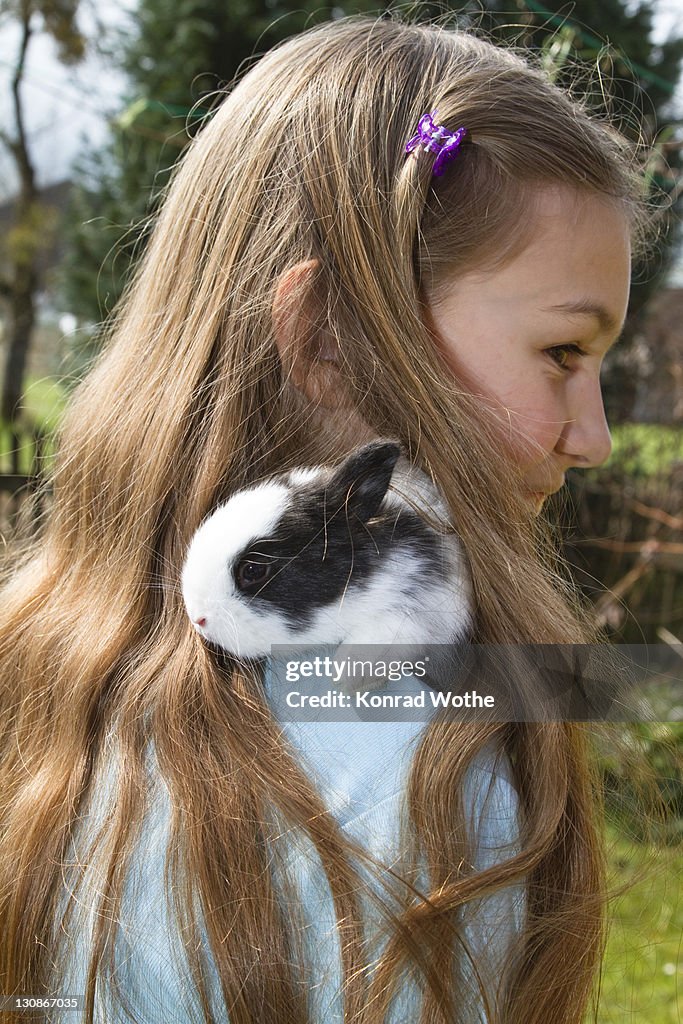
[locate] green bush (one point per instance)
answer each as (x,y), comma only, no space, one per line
(644,449)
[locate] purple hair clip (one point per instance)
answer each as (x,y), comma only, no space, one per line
(436,139)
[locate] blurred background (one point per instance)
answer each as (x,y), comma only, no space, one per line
(98,98)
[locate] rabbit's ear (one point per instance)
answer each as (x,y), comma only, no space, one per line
(361,481)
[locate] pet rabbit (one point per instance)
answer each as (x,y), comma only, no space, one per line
(340,555)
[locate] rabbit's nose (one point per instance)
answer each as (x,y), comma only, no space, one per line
(200,622)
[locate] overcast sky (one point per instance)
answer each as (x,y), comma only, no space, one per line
(64,107)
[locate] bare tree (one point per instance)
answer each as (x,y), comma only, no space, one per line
(22,245)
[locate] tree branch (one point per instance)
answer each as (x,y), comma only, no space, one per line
(8,142)
(21,146)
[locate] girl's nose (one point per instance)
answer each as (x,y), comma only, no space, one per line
(587,439)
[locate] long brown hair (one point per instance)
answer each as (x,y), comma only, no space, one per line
(304,159)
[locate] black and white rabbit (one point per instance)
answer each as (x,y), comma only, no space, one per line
(330,555)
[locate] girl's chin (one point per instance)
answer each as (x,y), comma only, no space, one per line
(537,498)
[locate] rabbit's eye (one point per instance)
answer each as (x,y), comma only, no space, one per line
(249,573)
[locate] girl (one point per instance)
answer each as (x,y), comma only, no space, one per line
(312,284)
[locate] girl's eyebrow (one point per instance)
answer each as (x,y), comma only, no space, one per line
(585,307)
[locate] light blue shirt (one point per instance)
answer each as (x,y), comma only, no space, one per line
(360,768)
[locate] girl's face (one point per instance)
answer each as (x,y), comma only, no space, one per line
(530,338)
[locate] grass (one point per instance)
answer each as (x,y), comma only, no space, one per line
(43,404)
(643,968)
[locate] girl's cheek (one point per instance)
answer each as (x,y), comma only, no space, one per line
(535,432)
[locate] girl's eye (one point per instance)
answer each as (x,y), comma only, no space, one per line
(561,354)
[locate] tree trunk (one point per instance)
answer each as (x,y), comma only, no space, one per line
(24,251)
(21,321)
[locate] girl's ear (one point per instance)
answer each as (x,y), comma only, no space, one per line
(309,353)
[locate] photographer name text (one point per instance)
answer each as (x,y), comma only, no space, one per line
(373,699)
